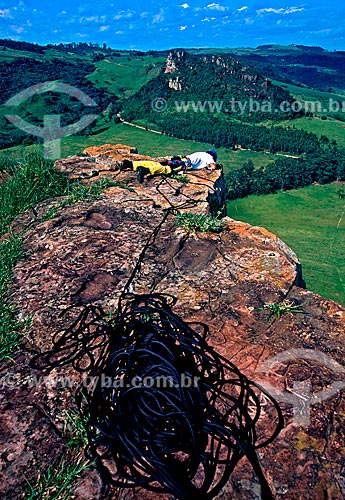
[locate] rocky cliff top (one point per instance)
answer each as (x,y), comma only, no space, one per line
(88,253)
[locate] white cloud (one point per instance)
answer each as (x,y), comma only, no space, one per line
(182,28)
(288,10)
(5,13)
(92,19)
(158,18)
(208,19)
(242,8)
(20,6)
(123,14)
(216,6)
(17,29)
(185,6)
(104,28)
(327,30)
(292,10)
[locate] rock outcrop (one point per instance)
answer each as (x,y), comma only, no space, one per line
(87,253)
(184,71)
(199,191)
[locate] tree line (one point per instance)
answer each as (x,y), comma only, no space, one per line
(230,134)
(286,173)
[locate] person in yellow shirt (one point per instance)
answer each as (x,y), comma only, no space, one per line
(150,168)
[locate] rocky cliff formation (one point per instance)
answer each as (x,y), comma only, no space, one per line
(86,254)
(224,73)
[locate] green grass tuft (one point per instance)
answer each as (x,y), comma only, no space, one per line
(34,179)
(203,223)
(277,309)
(181,178)
(75,430)
(57,482)
(11,329)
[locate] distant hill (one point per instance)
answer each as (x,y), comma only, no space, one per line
(101,73)
(313,67)
(222,82)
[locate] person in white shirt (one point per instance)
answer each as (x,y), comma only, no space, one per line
(198,160)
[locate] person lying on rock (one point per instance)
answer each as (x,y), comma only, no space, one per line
(194,161)
(151,168)
(200,159)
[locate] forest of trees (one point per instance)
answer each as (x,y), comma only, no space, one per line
(229,134)
(286,173)
(23,72)
(12,44)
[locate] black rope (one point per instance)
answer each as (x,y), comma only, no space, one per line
(162,409)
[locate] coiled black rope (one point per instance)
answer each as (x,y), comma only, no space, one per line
(162,409)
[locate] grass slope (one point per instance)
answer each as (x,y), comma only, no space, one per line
(322,105)
(312,222)
(333,129)
(149,143)
(306,94)
(124,75)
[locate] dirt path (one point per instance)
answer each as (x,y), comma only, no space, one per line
(141,127)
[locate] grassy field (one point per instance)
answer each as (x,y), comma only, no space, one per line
(312,222)
(333,129)
(318,100)
(322,104)
(148,143)
(124,75)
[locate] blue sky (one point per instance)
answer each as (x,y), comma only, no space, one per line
(163,24)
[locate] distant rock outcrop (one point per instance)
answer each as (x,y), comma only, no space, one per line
(86,254)
(223,74)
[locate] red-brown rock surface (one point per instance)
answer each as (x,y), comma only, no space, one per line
(86,254)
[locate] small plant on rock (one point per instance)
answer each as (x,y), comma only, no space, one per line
(58,481)
(182,178)
(199,222)
(75,430)
(277,309)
